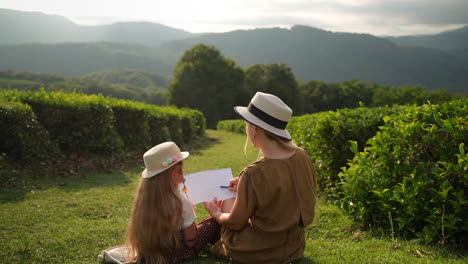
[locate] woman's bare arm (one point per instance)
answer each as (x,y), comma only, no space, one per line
(240,213)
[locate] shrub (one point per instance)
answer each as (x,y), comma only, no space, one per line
(159,126)
(193,124)
(175,128)
(197,122)
(327,134)
(236,126)
(77,122)
(132,123)
(103,125)
(412,179)
(22,138)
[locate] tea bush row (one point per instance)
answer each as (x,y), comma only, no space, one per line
(21,136)
(88,124)
(232,125)
(327,136)
(412,178)
(403,169)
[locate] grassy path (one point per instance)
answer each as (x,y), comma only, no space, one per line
(71,220)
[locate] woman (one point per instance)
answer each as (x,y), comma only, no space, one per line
(275,195)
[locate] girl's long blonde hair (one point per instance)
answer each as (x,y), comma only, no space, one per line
(153,233)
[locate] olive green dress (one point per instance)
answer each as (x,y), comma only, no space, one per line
(281,194)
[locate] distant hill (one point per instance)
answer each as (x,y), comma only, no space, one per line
(26,27)
(82,58)
(315,54)
(448,41)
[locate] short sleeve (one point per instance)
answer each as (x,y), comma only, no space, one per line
(188,214)
(245,192)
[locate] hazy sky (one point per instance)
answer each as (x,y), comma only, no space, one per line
(377,17)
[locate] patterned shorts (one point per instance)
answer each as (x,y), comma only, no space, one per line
(208,233)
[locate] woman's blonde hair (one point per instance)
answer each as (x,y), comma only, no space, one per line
(284,143)
(153,233)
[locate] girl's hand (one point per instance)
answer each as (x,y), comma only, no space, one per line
(212,209)
(233,184)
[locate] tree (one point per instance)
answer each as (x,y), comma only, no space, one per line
(318,96)
(277,79)
(355,92)
(205,80)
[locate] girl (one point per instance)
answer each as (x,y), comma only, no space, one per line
(162,228)
(275,195)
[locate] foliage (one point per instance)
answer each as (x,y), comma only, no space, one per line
(22,137)
(402,95)
(318,96)
(92,124)
(128,84)
(132,123)
(327,134)
(235,126)
(32,76)
(412,179)
(277,79)
(185,124)
(139,78)
(310,97)
(206,81)
(78,123)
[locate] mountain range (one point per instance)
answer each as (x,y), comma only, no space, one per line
(44,43)
(35,27)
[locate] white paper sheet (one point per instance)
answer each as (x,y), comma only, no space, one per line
(204,186)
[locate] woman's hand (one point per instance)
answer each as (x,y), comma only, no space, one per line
(233,184)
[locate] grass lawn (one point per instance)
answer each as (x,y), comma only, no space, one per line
(70,220)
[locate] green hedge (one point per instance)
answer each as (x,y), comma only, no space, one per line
(401,168)
(235,125)
(77,122)
(327,136)
(22,138)
(141,125)
(132,123)
(413,177)
(93,124)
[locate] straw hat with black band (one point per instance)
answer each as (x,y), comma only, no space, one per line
(267,112)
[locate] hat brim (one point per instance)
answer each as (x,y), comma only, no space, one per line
(247,116)
(150,173)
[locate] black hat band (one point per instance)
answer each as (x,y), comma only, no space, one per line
(273,121)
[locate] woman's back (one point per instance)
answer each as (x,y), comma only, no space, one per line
(283,191)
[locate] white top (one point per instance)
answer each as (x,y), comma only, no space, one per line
(188,214)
